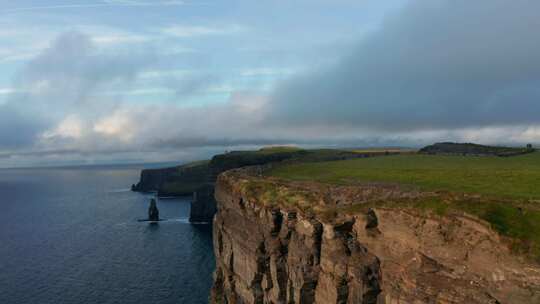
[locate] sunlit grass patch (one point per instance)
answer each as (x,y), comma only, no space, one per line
(516,177)
(509,188)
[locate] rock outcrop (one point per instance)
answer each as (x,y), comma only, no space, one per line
(153,212)
(269,250)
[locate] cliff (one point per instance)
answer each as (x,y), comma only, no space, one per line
(296,242)
(151,179)
(203,205)
(174,181)
(198,178)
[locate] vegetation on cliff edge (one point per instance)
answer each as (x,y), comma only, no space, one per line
(509,187)
(513,177)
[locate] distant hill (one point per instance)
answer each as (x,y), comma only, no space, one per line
(471,149)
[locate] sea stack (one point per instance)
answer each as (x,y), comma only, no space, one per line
(153,212)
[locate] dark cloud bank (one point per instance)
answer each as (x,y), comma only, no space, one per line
(436,65)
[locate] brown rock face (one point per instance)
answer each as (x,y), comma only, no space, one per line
(275,254)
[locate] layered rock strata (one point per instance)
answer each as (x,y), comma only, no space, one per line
(278,253)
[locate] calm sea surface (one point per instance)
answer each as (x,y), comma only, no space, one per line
(72,236)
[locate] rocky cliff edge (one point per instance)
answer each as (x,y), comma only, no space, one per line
(283,242)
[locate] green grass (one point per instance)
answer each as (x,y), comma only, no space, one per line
(180,188)
(512,177)
(507,185)
(278,149)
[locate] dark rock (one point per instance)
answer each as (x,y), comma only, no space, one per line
(203,205)
(153,212)
(151,179)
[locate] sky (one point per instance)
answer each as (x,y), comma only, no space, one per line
(132,81)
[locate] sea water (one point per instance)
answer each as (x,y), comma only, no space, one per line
(71,235)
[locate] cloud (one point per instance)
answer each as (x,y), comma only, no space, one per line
(437,70)
(17,128)
(117,125)
(70,127)
(267,71)
(7,91)
(196,84)
(113,38)
(435,65)
(186,31)
(105,3)
(18,56)
(69,73)
(59,87)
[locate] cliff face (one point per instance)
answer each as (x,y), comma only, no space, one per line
(151,179)
(277,253)
(203,205)
(198,178)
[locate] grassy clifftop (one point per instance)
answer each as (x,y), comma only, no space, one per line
(502,191)
(515,177)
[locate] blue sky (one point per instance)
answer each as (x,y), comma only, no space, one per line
(163,80)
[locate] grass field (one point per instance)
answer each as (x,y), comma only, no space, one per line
(510,184)
(512,177)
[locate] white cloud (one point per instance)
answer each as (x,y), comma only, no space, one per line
(69,127)
(164,73)
(19,56)
(118,125)
(104,3)
(267,71)
(134,92)
(7,91)
(120,38)
(186,31)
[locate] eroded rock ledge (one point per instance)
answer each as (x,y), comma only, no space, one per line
(278,252)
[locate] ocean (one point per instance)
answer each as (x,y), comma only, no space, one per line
(71,235)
